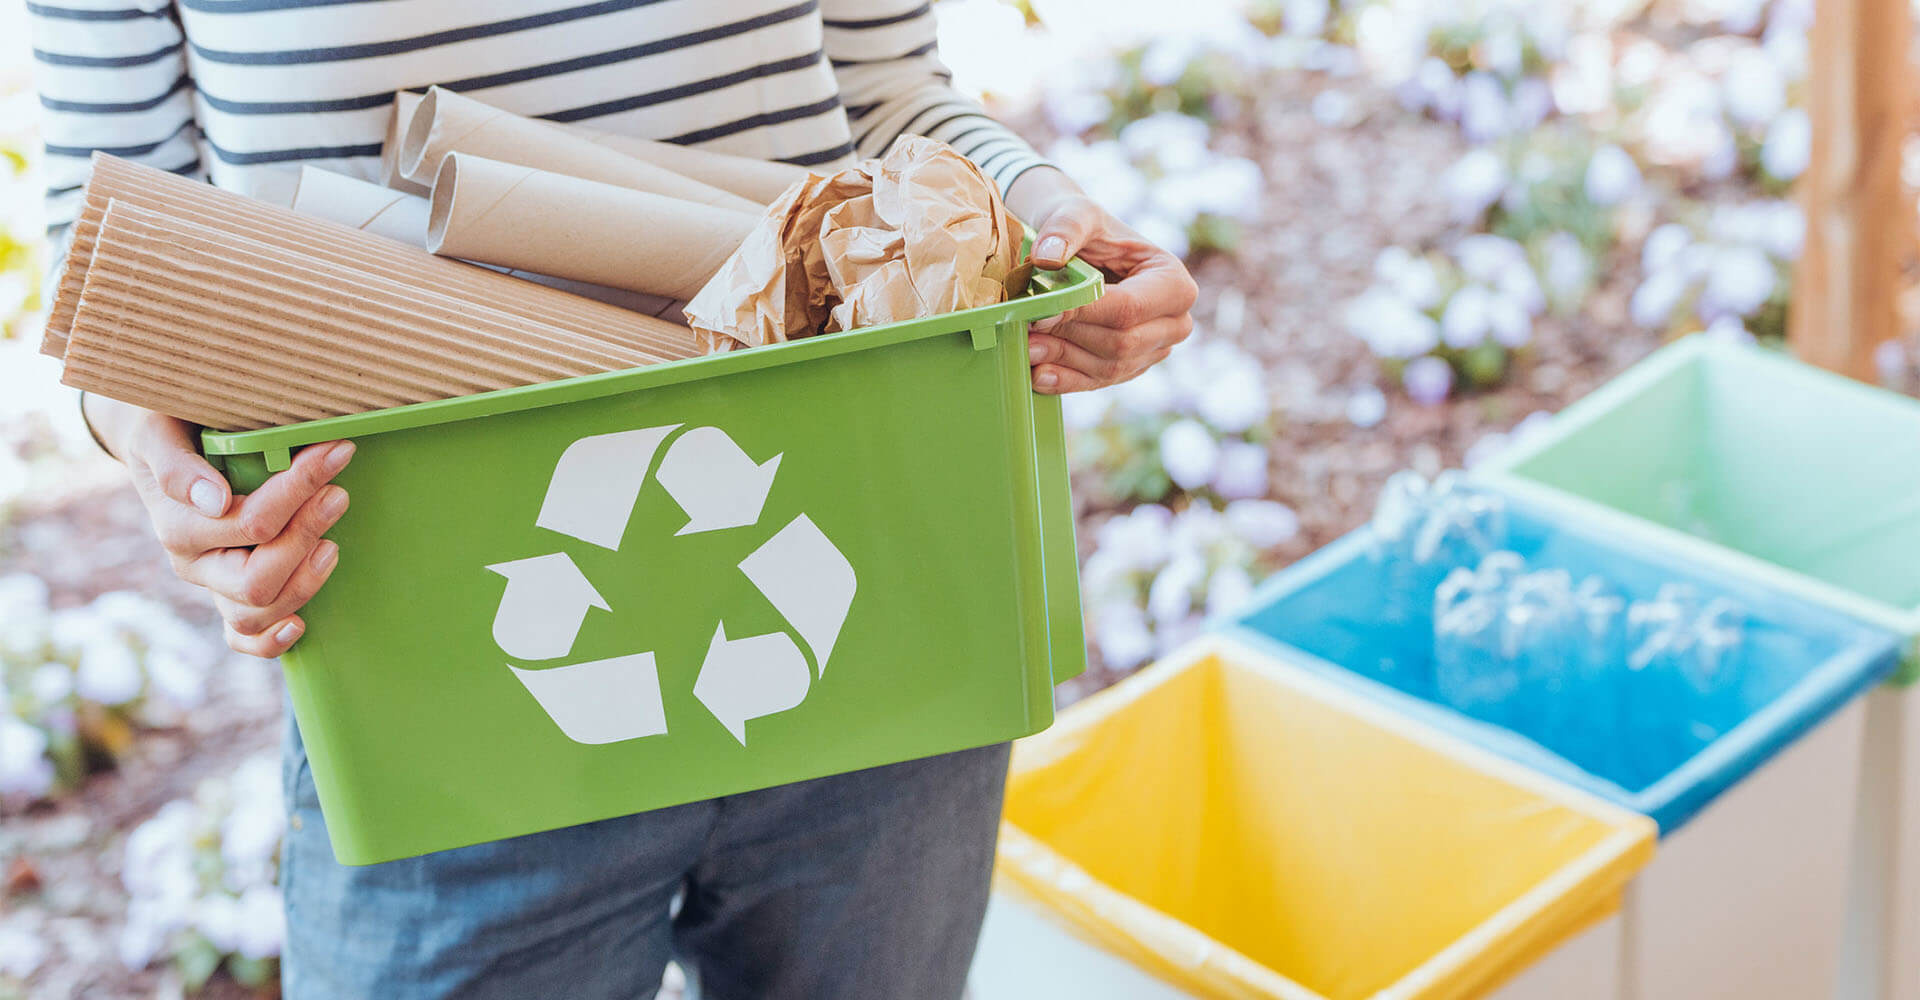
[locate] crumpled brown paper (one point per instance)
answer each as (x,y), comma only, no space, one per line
(916,233)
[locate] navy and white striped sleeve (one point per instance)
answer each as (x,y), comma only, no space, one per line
(112,76)
(892,82)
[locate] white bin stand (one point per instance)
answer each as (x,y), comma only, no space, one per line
(1025,955)
(1748,900)
(1882,951)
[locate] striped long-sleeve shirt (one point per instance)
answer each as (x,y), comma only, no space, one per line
(243,92)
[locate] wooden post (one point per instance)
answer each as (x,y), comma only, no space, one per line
(1858,223)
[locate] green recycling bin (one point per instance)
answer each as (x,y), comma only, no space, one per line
(1776,471)
(588,598)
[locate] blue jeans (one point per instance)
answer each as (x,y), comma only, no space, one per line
(864,885)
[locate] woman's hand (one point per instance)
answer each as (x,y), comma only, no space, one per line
(1143,314)
(261,554)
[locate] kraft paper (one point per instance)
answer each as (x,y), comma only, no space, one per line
(916,233)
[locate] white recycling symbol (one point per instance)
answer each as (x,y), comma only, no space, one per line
(590,497)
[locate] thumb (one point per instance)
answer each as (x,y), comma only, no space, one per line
(186,478)
(1064,232)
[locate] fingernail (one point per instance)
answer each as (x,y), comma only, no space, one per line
(1052,248)
(323,556)
(288,632)
(337,458)
(1046,380)
(335,503)
(1034,353)
(207,497)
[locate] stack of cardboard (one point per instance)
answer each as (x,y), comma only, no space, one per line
(236,314)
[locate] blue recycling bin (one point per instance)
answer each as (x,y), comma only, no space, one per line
(1749,898)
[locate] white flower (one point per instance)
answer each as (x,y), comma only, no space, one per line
(1104,171)
(109,673)
(1474,183)
(1653,302)
(1231,186)
(1486,258)
(1464,324)
(1169,136)
(1072,111)
(1162,232)
(1391,327)
(1752,87)
(1333,108)
(1568,269)
(1262,524)
(51,683)
(1502,49)
(1663,247)
(24,770)
(1085,410)
(1390,43)
(1198,528)
(177,679)
(1170,598)
(1730,329)
(1740,282)
(23,615)
(262,930)
(1789,145)
(144,935)
(1366,406)
(1120,630)
(1484,111)
(1507,319)
(1612,176)
(1243,471)
(1237,400)
(1166,59)
(1189,453)
(1136,540)
(1428,380)
(1583,83)
(1306,18)
(1786,229)
(21,951)
(1532,103)
(1413,278)
(1151,393)
(1228,589)
(217,917)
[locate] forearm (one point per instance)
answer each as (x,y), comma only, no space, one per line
(1038,191)
(116,424)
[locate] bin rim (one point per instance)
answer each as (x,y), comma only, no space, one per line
(1500,473)
(1867,656)
(1049,293)
(1631,840)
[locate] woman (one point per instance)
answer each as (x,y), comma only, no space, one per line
(869,884)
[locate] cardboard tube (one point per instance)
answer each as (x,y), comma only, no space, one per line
(517,216)
(371,208)
(759,181)
(236,334)
(446,122)
(177,197)
(405,102)
(399,216)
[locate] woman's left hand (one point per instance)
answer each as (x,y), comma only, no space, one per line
(1144,312)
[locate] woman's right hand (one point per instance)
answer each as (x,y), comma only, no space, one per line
(261,554)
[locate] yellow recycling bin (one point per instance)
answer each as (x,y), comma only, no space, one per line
(1241,828)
